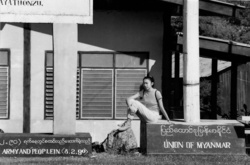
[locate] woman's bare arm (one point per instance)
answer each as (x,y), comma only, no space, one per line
(162,109)
(133,97)
(161,106)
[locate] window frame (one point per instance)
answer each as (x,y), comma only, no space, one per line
(45,71)
(9,80)
(112,98)
(115,96)
(46,117)
(114,68)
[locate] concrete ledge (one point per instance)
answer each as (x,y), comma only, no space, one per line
(205,137)
(27,145)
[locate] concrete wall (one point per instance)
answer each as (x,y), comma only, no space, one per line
(11,37)
(111,31)
(126,31)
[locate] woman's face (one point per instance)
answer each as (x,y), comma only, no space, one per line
(147,84)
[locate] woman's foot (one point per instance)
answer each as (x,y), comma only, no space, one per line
(124,126)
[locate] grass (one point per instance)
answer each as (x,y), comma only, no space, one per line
(112,159)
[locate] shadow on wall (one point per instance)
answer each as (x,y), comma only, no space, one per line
(2,25)
(45,28)
(127,32)
(119,31)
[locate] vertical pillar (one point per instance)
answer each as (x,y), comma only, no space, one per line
(234,69)
(26,79)
(167,57)
(65,68)
(191,78)
(214,88)
(177,79)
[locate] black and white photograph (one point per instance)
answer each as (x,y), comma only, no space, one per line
(125,82)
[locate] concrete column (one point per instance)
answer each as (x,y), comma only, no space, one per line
(26,77)
(65,67)
(234,87)
(191,77)
(214,88)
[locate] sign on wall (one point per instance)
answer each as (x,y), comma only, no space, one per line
(194,139)
(47,11)
(44,145)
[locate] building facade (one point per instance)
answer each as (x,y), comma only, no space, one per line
(114,54)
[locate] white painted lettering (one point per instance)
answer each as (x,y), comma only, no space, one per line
(213,145)
(5,151)
(173,144)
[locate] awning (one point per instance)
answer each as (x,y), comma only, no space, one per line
(221,49)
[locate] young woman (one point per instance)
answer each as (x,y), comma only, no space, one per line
(148,108)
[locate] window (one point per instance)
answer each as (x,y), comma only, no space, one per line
(107,79)
(49,87)
(4,83)
(97,93)
(128,82)
(104,80)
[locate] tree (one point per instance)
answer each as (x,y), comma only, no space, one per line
(228,28)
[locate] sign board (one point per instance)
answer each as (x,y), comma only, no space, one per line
(193,139)
(47,11)
(41,145)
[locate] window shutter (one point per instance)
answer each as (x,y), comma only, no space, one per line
(97,93)
(128,82)
(49,93)
(4,92)
(78,94)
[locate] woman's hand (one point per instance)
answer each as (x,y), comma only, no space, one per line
(170,122)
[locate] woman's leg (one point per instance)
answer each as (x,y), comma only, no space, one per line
(135,107)
(142,112)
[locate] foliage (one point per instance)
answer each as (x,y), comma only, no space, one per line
(205,95)
(218,27)
(228,28)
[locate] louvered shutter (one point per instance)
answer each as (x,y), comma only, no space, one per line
(128,82)
(97,93)
(49,88)
(49,93)
(78,94)
(4,92)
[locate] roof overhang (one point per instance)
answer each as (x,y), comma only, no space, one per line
(220,49)
(214,7)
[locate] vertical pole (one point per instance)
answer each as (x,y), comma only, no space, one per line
(234,90)
(65,69)
(214,88)
(26,79)
(191,78)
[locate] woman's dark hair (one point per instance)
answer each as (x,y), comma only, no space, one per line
(151,78)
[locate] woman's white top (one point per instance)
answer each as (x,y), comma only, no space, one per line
(150,99)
